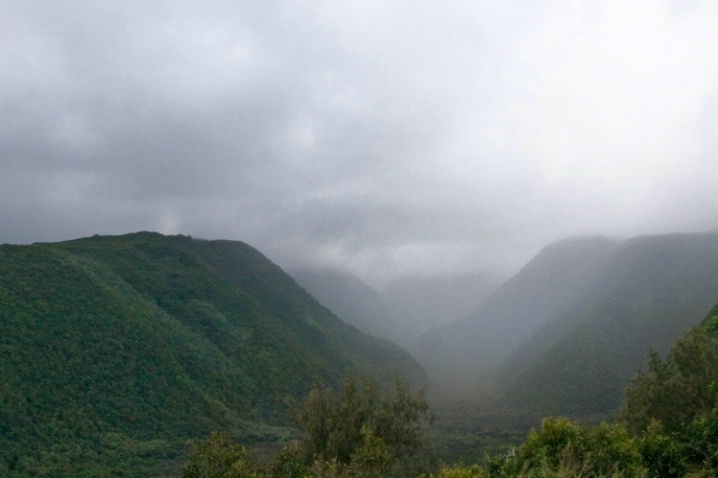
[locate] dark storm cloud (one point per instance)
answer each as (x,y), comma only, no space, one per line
(386,137)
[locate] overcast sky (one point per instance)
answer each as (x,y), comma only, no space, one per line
(385,137)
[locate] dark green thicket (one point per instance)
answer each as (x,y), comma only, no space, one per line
(336,426)
(673,405)
(677,389)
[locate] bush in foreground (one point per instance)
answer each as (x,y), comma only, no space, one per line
(356,432)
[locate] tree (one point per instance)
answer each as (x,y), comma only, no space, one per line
(356,432)
(219,457)
(562,446)
(678,389)
(673,406)
(360,430)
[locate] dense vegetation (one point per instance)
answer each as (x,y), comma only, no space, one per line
(668,428)
(355,432)
(118,350)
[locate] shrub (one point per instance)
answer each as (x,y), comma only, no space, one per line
(218,457)
(563,448)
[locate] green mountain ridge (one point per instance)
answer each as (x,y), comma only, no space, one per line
(474,347)
(145,337)
(649,292)
(565,334)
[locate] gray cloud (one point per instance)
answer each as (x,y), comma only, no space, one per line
(384,137)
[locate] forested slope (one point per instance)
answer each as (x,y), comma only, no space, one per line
(114,343)
(667,426)
(563,336)
(645,296)
(554,281)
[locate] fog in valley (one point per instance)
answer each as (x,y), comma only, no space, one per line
(511,203)
(407,308)
(402,160)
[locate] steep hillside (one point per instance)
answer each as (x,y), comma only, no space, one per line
(114,346)
(354,302)
(646,294)
(554,281)
(407,308)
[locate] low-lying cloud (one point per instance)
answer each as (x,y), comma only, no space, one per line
(383,137)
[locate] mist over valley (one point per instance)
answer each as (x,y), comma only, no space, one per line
(358,239)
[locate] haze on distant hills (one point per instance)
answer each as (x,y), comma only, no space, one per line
(405,309)
(437,300)
(552,281)
(353,301)
(564,335)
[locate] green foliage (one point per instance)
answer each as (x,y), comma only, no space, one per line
(372,459)
(702,442)
(355,433)
(689,451)
(673,406)
(660,453)
(218,457)
(474,471)
(563,448)
(359,427)
(344,436)
(287,464)
(678,389)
